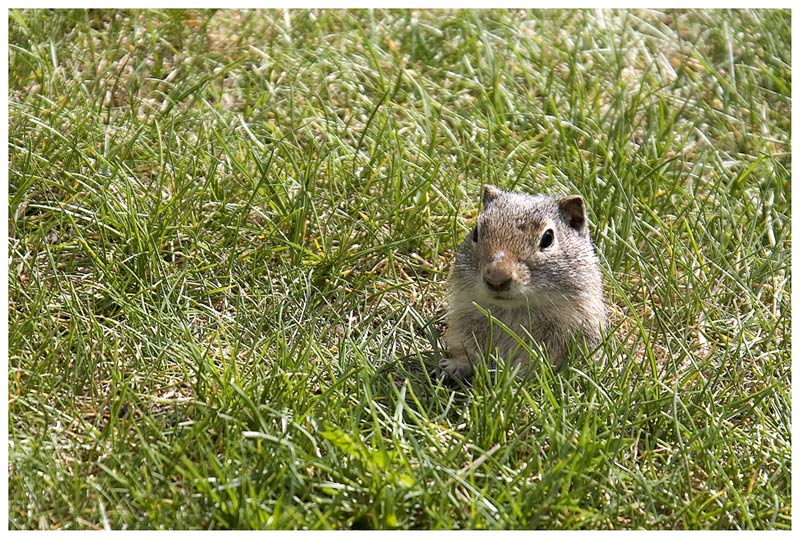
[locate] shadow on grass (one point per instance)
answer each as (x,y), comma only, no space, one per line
(417,376)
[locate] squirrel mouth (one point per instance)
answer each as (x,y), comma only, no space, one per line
(507,297)
(503,296)
(500,292)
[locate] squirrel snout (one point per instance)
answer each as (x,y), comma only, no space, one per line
(497,275)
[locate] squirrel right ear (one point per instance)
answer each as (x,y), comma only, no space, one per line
(490,192)
(573,212)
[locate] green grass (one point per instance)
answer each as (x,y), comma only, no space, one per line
(229,237)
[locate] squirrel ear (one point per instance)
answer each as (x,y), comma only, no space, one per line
(573,212)
(490,192)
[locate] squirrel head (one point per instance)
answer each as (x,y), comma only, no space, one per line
(529,248)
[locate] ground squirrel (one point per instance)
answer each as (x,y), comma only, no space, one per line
(529,261)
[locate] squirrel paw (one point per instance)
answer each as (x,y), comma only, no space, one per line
(456,367)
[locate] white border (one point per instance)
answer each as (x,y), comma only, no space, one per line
(429,4)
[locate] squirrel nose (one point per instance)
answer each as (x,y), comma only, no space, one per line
(497,277)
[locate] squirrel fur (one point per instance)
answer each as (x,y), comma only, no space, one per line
(530,263)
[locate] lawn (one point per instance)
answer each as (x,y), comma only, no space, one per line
(229,240)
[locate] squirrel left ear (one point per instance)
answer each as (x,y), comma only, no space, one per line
(490,192)
(573,212)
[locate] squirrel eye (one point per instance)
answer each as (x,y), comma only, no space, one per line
(475,234)
(547,239)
